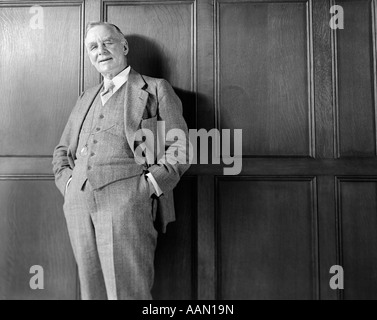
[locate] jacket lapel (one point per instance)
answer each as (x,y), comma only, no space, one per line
(136,99)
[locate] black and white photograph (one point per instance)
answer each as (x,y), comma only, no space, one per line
(197,151)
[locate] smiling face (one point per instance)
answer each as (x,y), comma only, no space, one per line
(107,50)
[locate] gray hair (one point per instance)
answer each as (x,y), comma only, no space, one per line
(91,25)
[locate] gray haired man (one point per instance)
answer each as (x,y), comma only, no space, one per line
(112,200)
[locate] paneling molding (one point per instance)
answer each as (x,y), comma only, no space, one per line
(59,3)
(105,4)
(69,3)
(314,224)
(339,213)
(310,58)
(334,45)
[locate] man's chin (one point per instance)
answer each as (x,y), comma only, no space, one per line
(103,70)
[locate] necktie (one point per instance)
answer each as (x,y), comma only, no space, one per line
(108,92)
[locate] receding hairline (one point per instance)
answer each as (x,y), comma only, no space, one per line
(92,25)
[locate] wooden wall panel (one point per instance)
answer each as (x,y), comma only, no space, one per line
(176,255)
(40,76)
(265,66)
(356,83)
(264,75)
(323,61)
(357,219)
(267,238)
(161,37)
(33,232)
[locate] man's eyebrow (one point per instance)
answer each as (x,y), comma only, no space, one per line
(106,39)
(109,38)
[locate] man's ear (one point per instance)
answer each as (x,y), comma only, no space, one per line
(125,48)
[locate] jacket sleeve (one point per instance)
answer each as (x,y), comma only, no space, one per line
(62,168)
(169,169)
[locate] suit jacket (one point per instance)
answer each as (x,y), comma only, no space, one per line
(147,100)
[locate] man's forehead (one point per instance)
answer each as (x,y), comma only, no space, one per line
(101,32)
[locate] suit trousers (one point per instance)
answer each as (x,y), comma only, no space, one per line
(113,238)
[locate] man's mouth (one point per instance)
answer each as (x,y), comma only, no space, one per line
(104,60)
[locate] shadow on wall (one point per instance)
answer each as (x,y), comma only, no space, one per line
(147,57)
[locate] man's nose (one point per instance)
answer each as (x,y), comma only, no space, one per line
(101,49)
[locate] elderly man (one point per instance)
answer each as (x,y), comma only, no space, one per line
(111,197)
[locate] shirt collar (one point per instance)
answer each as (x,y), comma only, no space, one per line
(120,79)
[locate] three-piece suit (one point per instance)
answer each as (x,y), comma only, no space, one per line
(110,209)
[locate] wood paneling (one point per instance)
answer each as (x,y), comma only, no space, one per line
(323,59)
(289,166)
(326,234)
(161,37)
(273,68)
(356,66)
(264,75)
(357,223)
(206,238)
(33,232)
(267,238)
(205,64)
(175,261)
(40,76)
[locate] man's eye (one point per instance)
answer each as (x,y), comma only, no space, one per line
(92,48)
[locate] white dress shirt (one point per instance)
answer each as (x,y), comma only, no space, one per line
(120,79)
